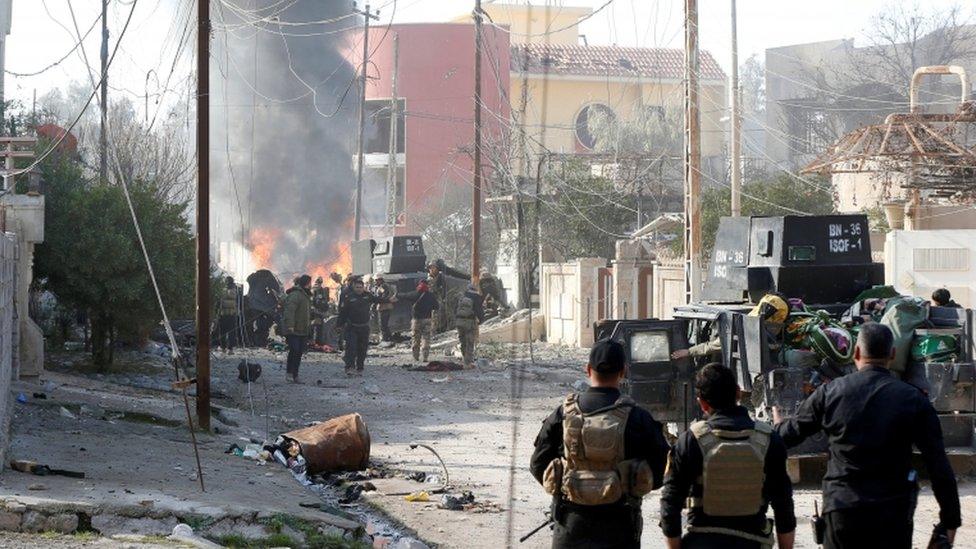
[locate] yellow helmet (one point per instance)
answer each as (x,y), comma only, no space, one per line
(773,308)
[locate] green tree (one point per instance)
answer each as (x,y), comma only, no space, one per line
(583,215)
(91,258)
(781,195)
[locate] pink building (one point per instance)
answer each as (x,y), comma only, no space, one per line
(435,88)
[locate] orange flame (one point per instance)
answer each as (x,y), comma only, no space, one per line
(262,242)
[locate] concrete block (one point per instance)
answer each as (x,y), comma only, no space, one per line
(9,521)
(64,523)
(111,524)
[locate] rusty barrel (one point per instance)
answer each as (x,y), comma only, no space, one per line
(340,444)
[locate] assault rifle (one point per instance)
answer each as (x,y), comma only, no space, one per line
(535,530)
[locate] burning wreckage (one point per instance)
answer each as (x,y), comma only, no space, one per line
(400,259)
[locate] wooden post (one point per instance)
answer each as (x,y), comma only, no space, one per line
(203,215)
(476,196)
(692,156)
(367,15)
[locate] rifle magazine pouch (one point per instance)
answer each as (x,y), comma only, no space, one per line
(636,477)
(552,479)
(592,487)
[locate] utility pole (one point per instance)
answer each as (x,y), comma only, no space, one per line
(203,214)
(391,174)
(103,138)
(476,197)
(692,156)
(735,100)
(367,15)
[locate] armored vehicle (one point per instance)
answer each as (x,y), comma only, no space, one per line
(825,261)
(402,262)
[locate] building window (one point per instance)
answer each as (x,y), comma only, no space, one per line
(377,133)
(586,120)
(809,128)
(378,210)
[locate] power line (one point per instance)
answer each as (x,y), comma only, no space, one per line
(59,61)
(91,97)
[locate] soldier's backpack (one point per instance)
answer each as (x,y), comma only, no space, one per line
(733,469)
(465,307)
(593,470)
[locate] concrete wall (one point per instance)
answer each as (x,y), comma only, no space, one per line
(25,221)
(669,290)
(8,333)
(570,297)
(918,262)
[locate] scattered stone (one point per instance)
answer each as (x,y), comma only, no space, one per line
(409,543)
(371,389)
(37,486)
(182,531)
(67,413)
(9,521)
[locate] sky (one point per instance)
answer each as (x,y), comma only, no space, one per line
(145,58)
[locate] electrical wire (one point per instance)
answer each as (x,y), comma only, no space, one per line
(59,61)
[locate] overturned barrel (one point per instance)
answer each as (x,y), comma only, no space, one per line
(339,444)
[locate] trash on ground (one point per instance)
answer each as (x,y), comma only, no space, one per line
(40,396)
(444,379)
(248,371)
(438,366)
(37,486)
(22,398)
(352,493)
(323,348)
(34,468)
(67,413)
(339,444)
(371,389)
(456,503)
(420,496)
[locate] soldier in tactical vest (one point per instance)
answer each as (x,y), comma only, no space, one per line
(598,454)
(320,309)
(726,470)
(228,316)
(468,315)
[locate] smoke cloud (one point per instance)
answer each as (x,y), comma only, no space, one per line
(284,120)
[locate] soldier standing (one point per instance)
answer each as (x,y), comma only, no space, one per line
(872,420)
(437,283)
(421,321)
(384,309)
(229,316)
(598,455)
(320,308)
(468,315)
(297,319)
(354,322)
(727,469)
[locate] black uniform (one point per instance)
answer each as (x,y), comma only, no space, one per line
(872,420)
(616,525)
(424,304)
(354,321)
(683,480)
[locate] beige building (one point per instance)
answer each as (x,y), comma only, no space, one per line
(568,80)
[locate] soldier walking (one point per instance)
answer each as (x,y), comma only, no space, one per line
(422,321)
(727,470)
(297,320)
(468,315)
(598,455)
(872,420)
(229,316)
(353,320)
(437,283)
